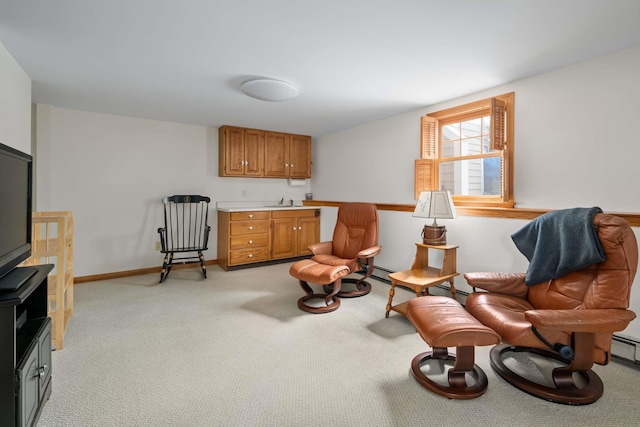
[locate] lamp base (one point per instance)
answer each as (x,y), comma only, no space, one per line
(434,235)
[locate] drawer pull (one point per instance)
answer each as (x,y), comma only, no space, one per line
(250,255)
(250,215)
(251,242)
(250,228)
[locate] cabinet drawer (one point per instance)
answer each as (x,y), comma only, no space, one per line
(295,213)
(245,256)
(239,228)
(250,215)
(249,241)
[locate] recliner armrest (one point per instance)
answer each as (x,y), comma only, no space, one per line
(369,252)
(589,320)
(322,248)
(501,283)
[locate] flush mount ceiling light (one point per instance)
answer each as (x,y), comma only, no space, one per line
(269,90)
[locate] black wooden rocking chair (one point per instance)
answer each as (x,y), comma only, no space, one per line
(185,230)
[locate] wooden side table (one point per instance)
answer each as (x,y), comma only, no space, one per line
(422,276)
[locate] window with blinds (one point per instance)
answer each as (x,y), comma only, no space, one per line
(468,150)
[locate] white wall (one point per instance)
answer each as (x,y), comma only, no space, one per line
(576,145)
(15,104)
(112,171)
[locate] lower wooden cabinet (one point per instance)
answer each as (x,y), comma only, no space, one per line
(293,231)
(249,237)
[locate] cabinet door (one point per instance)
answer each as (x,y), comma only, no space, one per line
(232,151)
(44,357)
(276,153)
(283,238)
(253,152)
(300,156)
(28,396)
(308,233)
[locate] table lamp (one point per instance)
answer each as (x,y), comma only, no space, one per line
(435,204)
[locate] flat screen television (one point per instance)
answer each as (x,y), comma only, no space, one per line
(16,183)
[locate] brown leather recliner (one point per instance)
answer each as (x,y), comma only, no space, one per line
(354,244)
(570,319)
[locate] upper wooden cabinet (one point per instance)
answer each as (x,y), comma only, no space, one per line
(276,154)
(241,151)
(299,156)
(257,153)
(287,155)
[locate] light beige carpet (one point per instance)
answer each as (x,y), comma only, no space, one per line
(234,350)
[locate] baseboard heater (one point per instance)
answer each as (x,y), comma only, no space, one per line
(624,348)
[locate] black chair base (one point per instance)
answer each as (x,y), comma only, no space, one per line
(566,390)
(362,288)
(458,388)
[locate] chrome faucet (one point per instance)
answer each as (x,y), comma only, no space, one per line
(281,201)
(290,202)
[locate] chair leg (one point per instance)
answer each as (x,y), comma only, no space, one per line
(362,287)
(464,364)
(166,266)
(163,271)
(331,300)
(202,265)
(566,390)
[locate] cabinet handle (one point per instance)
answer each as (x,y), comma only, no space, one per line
(299,228)
(286,165)
(250,255)
(294,228)
(250,215)
(251,242)
(41,371)
(291,165)
(250,228)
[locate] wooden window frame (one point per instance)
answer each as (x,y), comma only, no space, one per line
(501,111)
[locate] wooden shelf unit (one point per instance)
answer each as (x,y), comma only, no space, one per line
(422,275)
(52,243)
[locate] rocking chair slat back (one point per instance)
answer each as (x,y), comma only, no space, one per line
(186,229)
(185,219)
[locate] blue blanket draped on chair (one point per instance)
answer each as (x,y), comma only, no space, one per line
(559,242)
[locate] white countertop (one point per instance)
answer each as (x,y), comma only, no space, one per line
(260,206)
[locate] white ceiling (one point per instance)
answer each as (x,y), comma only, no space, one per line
(354,61)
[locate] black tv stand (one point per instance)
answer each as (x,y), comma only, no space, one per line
(16,278)
(25,350)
